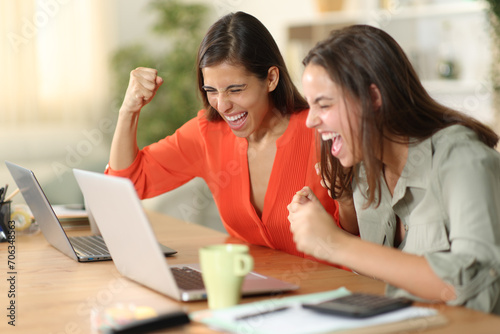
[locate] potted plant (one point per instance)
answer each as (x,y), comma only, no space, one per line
(181,26)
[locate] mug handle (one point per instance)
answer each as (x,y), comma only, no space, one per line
(243,264)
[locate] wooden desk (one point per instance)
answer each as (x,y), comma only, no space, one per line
(55,294)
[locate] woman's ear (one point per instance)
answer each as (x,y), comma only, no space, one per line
(273,77)
(376,97)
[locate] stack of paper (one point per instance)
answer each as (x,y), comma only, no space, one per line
(72,216)
(286,315)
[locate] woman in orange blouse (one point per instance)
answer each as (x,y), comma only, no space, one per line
(250,143)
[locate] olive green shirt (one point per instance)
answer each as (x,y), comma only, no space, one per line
(448,200)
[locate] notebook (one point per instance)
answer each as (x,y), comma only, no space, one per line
(82,248)
(115,206)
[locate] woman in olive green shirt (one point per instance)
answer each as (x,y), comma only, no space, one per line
(421,180)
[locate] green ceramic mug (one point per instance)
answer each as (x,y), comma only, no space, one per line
(223,269)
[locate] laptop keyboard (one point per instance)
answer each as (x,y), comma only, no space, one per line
(187,278)
(89,245)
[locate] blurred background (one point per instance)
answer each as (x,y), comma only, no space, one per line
(65,67)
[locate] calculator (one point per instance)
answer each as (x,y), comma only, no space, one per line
(360,305)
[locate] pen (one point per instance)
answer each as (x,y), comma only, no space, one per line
(5,192)
(11,196)
(246,316)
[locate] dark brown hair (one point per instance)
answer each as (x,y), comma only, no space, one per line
(240,39)
(357,57)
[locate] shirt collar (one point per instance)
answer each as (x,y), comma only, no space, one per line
(416,171)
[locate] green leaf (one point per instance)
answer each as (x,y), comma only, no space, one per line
(183,27)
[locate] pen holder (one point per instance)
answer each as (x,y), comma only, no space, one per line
(4,220)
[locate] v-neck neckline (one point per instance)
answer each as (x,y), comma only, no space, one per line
(273,178)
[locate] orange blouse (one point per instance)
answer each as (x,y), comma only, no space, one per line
(211,151)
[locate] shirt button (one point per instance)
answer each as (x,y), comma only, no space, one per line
(407,227)
(389,223)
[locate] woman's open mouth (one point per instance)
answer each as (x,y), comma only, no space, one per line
(237,120)
(337,141)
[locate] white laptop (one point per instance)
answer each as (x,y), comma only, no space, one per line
(124,225)
(87,248)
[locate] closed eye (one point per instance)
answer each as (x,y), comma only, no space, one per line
(229,89)
(210,91)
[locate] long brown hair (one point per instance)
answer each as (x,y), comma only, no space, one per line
(241,39)
(359,56)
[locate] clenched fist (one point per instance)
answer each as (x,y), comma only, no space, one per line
(142,87)
(314,230)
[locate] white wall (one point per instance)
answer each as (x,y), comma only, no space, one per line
(275,14)
(134,20)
